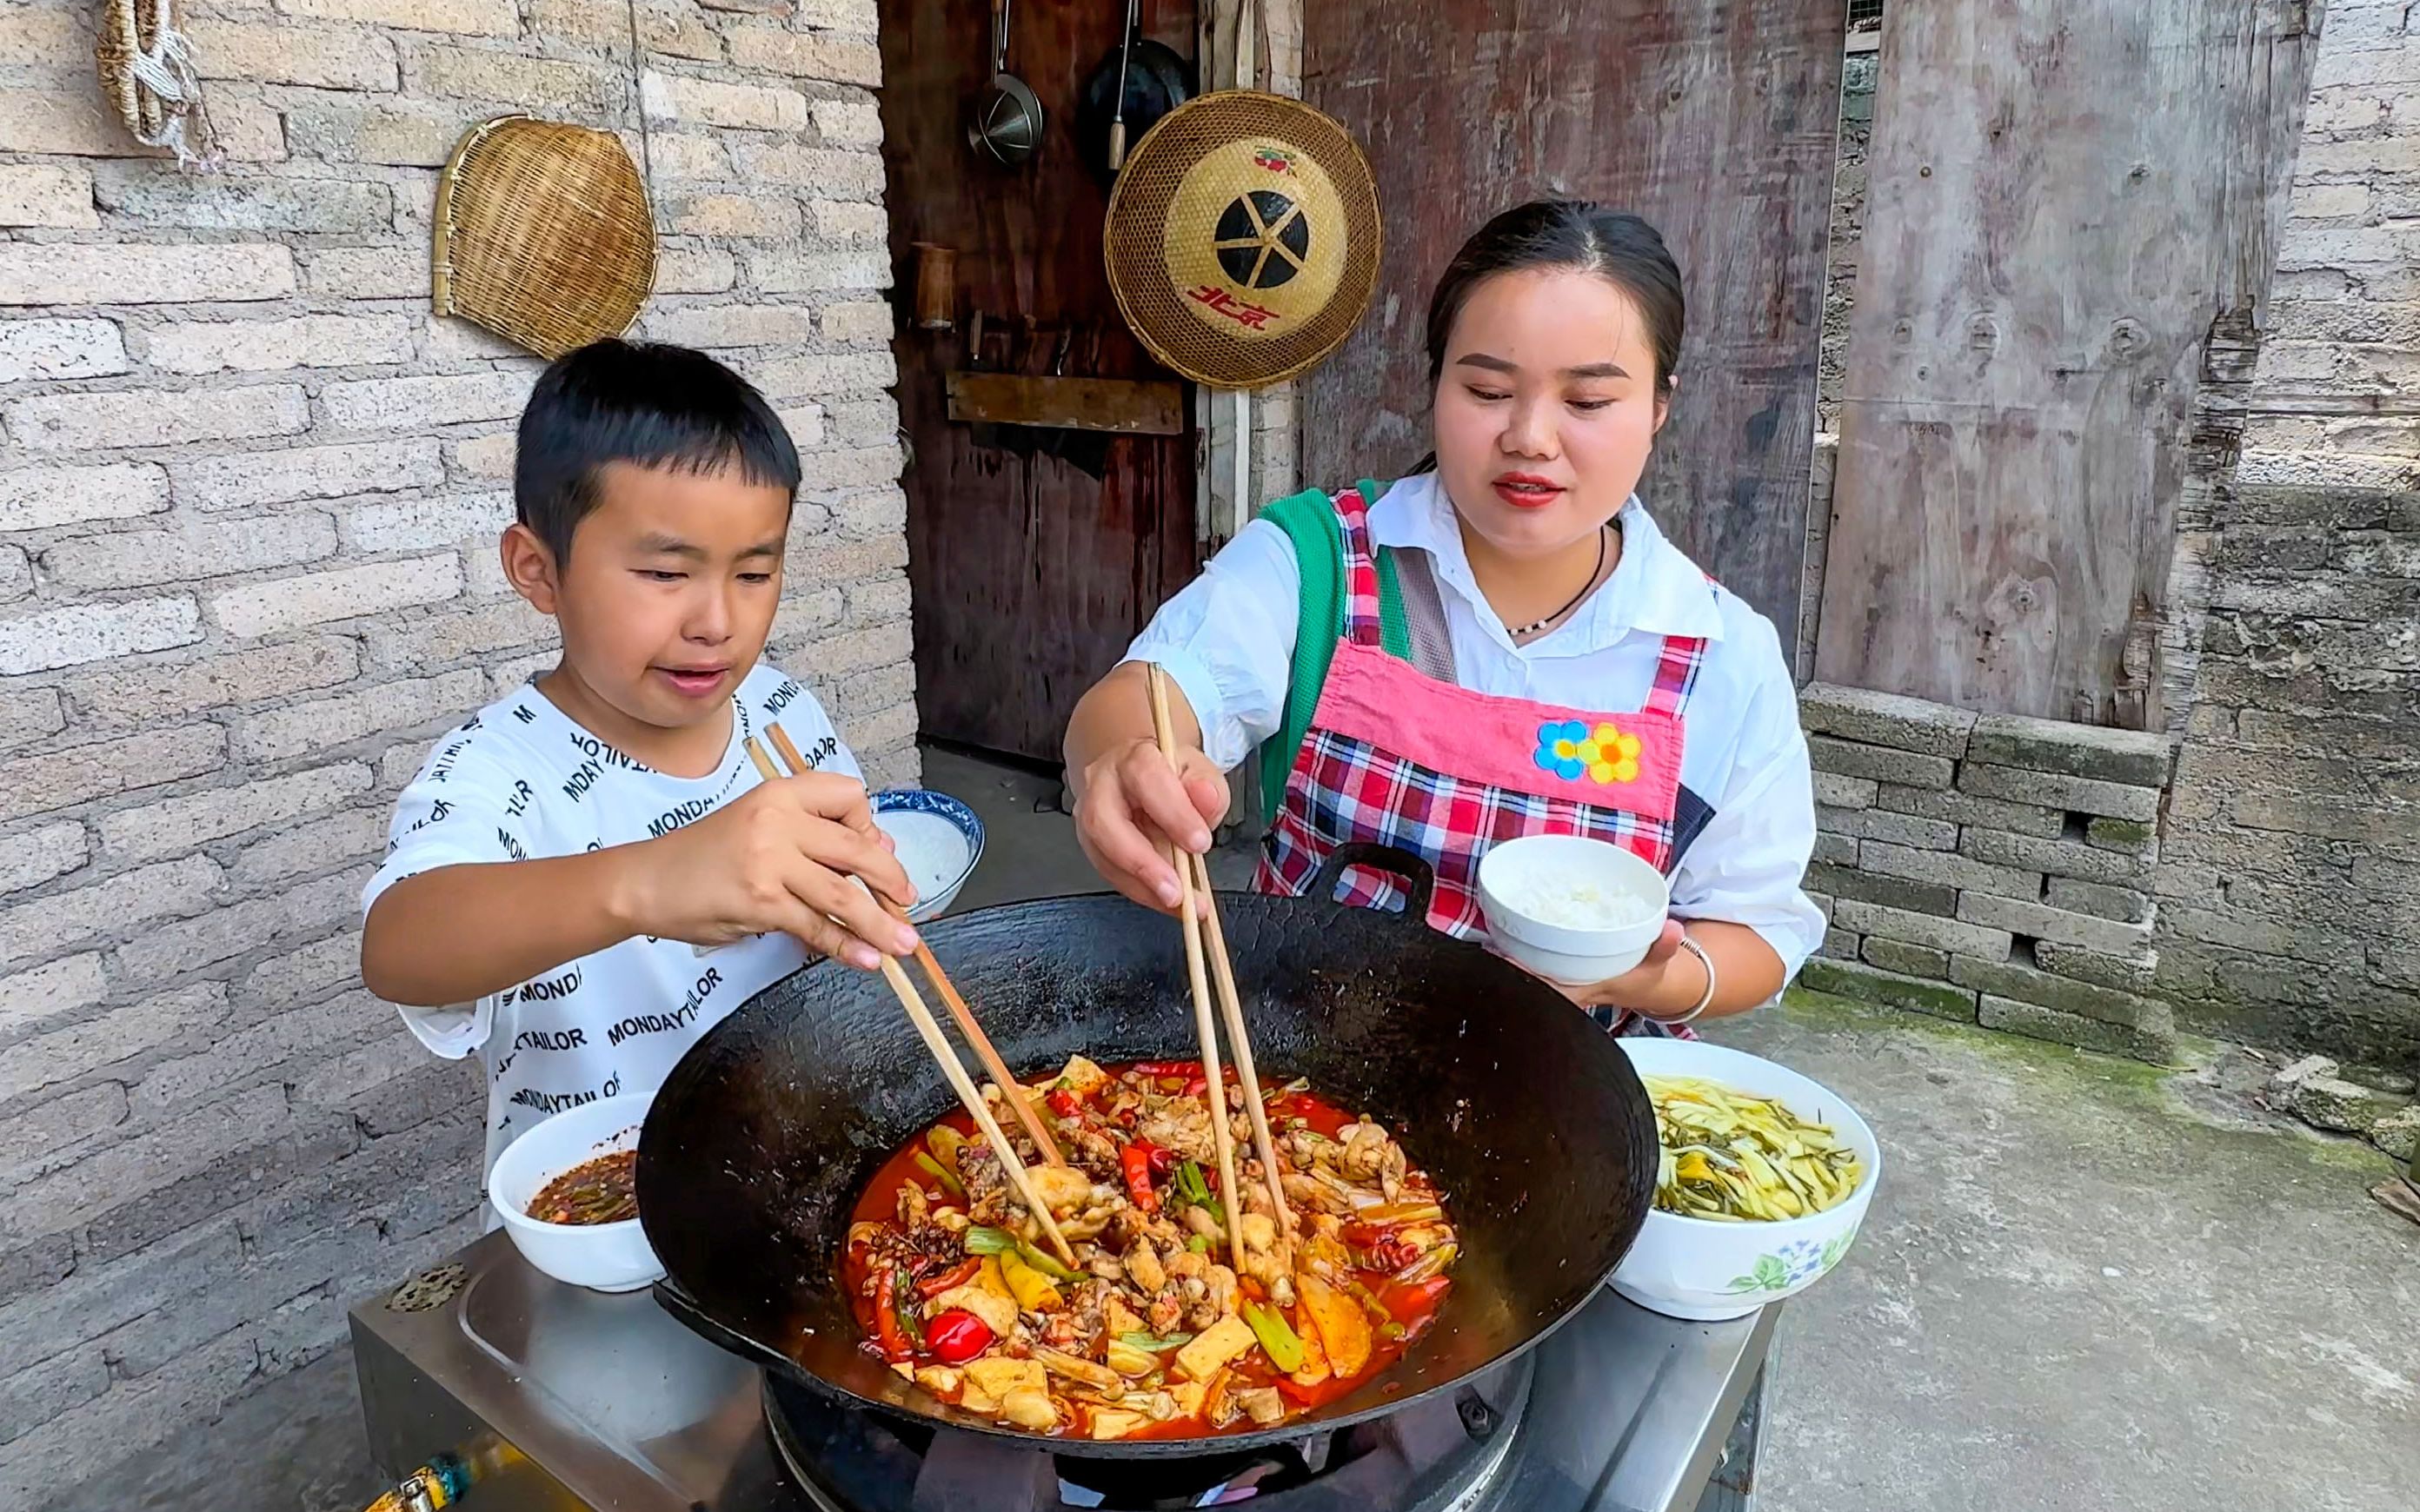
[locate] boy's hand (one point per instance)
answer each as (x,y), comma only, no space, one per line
(1133,804)
(782,856)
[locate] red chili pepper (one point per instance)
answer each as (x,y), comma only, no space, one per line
(1197,1086)
(955,1276)
(1170,1068)
(957,1335)
(1162,1160)
(1411,1303)
(1063,1103)
(886,1315)
(1136,1158)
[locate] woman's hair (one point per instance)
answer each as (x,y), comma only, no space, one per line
(1619,248)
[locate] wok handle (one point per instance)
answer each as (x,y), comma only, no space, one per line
(1417,877)
(685,1307)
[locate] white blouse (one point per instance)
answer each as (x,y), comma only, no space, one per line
(1228,641)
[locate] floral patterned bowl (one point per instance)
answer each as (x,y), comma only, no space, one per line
(1697,1268)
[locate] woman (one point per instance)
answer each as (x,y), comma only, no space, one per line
(1436,665)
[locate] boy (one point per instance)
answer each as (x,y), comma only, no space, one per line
(560,856)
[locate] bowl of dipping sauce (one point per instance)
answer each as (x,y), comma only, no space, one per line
(567,1192)
(939,841)
(1571,909)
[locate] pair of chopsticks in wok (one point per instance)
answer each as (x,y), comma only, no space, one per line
(1206,963)
(944,1054)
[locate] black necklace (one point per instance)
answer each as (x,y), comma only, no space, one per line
(1536,625)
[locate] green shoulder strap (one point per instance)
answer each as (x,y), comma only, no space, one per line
(1309,520)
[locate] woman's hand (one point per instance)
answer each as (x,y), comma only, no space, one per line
(1667,983)
(1133,803)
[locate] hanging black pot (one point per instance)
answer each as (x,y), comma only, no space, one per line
(1158,79)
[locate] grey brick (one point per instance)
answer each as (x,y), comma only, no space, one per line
(60,990)
(80,1049)
(158,193)
(233,1178)
(186,824)
(1879,763)
(233,929)
(2044,923)
(1949,868)
(34,857)
(2155,1044)
(1933,930)
(2055,858)
(2076,794)
(1830,849)
(1895,892)
(2132,836)
(1885,719)
(191,553)
(2132,758)
(238,1294)
(1833,790)
(1870,984)
(105,768)
(2007,978)
(2117,972)
(143,695)
(129,1420)
(29,714)
(1891,828)
(37,1142)
(377,709)
(259,478)
(1965,809)
(1840,945)
(138,1167)
(339,839)
(410,1182)
(261,1052)
(124,902)
(31,1268)
(1908,960)
(306,975)
(99,1298)
(2123,904)
(34,1396)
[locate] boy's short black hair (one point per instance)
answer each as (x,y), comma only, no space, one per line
(650,405)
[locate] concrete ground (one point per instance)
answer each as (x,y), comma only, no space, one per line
(2084,1284)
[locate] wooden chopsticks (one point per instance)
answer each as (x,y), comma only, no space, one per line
(947,1059)
(959,1013)
(1193,881)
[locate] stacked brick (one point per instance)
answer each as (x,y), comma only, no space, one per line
(1991,869)
(249,492)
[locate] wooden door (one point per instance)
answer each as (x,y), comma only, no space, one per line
(2053,339)
(1029,573)
(1714,119)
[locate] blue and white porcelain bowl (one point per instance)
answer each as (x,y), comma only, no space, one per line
(939,840)
(1704,1270)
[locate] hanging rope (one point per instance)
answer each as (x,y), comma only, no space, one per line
(146,66)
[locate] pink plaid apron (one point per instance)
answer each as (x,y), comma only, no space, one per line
(1397,758)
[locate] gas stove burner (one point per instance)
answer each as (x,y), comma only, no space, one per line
(1435,1455)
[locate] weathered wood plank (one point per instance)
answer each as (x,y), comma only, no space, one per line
(2071,220)
(1713,120)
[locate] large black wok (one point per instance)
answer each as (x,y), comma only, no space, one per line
(1529,1116)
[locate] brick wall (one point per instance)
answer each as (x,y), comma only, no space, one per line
(2290,882)
(2336,398)
(249,490)
(1988,869)
(2288,847)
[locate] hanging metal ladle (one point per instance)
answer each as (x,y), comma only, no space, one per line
(1007,126)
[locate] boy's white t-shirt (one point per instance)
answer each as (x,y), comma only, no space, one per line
(521,781)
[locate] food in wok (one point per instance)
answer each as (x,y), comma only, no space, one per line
(1157,1330)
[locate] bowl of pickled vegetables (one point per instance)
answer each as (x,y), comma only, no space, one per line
(1762,1178)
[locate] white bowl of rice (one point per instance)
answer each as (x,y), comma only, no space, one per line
(1571,909)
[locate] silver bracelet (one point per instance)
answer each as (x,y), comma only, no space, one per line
(1704,960)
